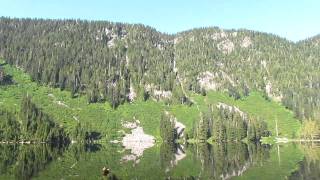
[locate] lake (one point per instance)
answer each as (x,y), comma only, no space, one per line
(162,161)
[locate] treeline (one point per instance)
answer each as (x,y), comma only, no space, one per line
(38,126)
(226,124)
(168,132)
(218,124)
(30,124)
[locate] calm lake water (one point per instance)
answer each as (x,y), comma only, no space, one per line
(217,161)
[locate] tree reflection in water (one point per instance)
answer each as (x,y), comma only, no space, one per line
(219,160)
(25,161)
(170,155)
(216,161)
(309,167)
(226,160)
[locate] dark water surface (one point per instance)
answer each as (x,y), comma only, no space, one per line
(166,161)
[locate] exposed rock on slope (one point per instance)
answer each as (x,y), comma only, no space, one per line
(157,94)
(246,42)
(271,93)
(232,108)
(132,94)
(226,46)
(207,81)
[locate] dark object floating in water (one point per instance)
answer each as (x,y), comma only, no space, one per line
(105,171)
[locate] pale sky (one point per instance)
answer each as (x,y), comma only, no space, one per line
(291,19)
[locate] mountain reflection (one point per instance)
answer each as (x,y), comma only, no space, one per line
(166,161)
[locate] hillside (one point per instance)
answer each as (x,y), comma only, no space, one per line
(91,70)
(101,118)
(118,62)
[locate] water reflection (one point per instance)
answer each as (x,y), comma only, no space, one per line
(24,162)
(226,160)
(170,155)
(165,161)
(309,168)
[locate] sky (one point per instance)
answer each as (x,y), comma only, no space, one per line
(292,19)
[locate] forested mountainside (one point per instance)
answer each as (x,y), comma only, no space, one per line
(119,63)
(106,61)
(240,61)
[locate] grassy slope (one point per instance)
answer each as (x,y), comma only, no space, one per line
(102,118)
(99,116)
